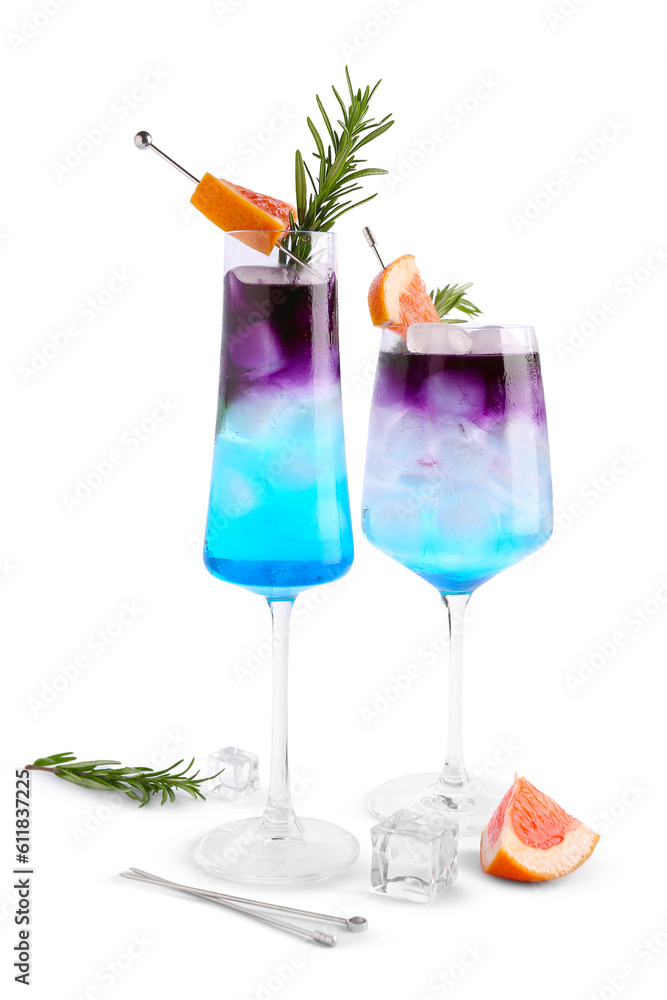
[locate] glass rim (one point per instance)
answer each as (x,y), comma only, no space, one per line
(285,232)
(473,325)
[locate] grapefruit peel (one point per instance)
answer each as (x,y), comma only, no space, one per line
(256,219)
(530,838)
(398,296)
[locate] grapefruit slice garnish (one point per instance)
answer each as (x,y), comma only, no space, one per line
(530,838)
(398,297)
(232,207)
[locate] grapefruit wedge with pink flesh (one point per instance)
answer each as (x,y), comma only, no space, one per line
(232,207)
(398,297)
(530,838)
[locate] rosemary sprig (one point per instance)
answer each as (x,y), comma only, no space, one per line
(453,297)
(320,193)
(138,783)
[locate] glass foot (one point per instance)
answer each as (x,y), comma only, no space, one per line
(246,852)
(472,808)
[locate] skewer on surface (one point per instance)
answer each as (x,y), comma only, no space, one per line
(320,937)
(354,924)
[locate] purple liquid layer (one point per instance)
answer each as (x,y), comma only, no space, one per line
(482,388)
(283,333)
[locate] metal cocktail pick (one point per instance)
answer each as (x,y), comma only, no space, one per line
(144,140)
(368,233)
(354,924)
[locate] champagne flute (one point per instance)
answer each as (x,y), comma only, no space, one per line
(279,514)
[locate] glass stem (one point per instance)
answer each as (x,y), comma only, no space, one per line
(454,777)
(279,818)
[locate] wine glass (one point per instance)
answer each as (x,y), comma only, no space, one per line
(457,488)
(279,515)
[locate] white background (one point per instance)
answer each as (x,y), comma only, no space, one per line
(170,685)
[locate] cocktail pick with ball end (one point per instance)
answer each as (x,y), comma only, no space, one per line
(231,208)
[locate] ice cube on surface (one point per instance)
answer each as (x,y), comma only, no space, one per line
(240,776)
(415,855)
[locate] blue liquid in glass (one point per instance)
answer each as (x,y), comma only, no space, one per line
(279,514)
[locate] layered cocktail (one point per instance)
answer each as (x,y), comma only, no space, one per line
(279,513)
(279,518)
(457,483)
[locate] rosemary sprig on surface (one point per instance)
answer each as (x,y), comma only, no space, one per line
(321,195)
(453,297)
(138,783)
